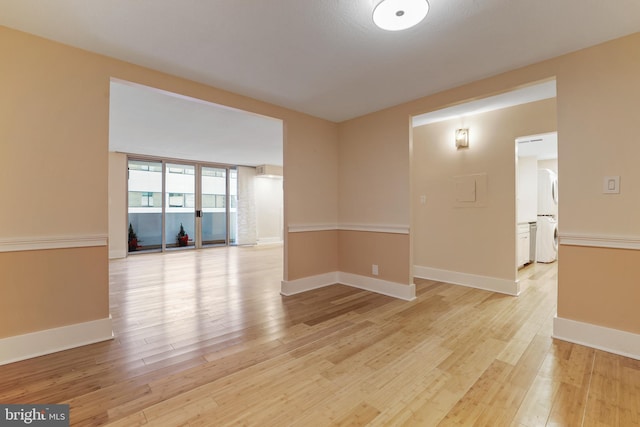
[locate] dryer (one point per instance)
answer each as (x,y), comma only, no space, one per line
(547,192)
(547,239)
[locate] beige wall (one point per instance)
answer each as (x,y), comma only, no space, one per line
(599,89)
(54,133)
(598,104)
(51,288)
(598,92)
(312,253)
(118,246)
(360,250)
(54,122)
(527,190)
(54,136)
(473,240)
(54,130)
(600,286)
(374,172)
(310,170)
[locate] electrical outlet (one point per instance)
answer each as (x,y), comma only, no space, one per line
(611,185)
(374,269)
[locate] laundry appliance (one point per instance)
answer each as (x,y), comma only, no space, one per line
(547,231)
(547,192)
(547,239)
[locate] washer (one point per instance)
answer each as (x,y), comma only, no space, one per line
(547,239)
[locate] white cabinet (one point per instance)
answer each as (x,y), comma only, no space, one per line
(523,244)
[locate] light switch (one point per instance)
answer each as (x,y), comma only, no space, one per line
(611,185)
(423,200)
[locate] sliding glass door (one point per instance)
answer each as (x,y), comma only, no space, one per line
(180,205)
(176,205)
(145,205)
(214,206)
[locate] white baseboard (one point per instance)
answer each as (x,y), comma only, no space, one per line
(392,289)
(493,284)
(117,253)
(292,287)
(269,240)
(610,340)
(34,344)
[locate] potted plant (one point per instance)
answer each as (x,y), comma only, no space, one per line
(133,239)
(182,237)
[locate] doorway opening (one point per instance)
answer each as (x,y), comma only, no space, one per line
(187,174)
(464,196)
(537,202)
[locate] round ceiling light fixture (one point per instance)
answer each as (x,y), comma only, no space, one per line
(396,15)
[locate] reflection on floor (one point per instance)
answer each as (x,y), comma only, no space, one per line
(204,338)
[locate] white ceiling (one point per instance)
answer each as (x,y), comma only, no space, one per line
(325,57)
(156,123)
(152,122)
(543,146)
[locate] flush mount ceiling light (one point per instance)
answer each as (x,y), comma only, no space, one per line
(396,15)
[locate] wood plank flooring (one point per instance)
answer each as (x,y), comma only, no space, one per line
(203,338)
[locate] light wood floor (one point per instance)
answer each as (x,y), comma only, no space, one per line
(203,338)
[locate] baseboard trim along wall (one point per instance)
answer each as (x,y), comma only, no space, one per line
(39,243)
(269,240)
(392,289)
(610,340)
(292,287)
(600,241)
(34,344)
(493,284)
(117,253)
(384,287)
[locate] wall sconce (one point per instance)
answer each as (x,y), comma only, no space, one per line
(462,138)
